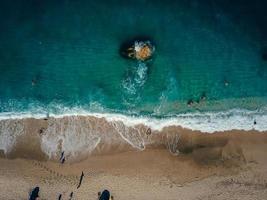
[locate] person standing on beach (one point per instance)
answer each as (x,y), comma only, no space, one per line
(71,195)
(81,179)
(148,132)
(62,158)
(34,194)
(105,195)
(62,155)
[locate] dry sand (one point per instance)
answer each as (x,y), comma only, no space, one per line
(230,165)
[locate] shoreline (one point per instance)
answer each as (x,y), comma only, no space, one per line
(165,164)
(206,122)
(80,137)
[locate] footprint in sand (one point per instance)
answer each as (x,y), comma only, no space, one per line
(72,180)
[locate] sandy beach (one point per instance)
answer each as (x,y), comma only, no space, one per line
(223,165)
(148,99)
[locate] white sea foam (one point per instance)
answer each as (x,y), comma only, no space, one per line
(80,136)
(9,130)
(206,122)
(71,135)
(130,134)
(132,84)
(235,119)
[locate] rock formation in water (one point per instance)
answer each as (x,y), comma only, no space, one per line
(139,50)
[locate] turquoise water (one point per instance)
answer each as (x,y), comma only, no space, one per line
(70,49)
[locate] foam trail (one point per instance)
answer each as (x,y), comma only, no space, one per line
(9,131)
(171,143)
(132,84)
(81,133)
(131,135)
(71,135)
(210,122)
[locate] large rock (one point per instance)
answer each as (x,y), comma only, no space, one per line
(140,50)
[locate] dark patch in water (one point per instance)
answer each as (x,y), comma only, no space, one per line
(264,56)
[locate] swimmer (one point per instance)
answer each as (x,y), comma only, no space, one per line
(190,102)
(33,82)
(203,96)
(226,83)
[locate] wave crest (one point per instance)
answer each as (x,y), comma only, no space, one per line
(78,132)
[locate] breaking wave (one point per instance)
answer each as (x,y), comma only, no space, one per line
(79,133)
(235,119)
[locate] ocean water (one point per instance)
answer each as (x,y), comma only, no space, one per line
(70,50)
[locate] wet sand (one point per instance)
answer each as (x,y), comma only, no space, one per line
(223,165)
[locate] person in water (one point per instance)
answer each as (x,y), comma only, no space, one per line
(81,179)
(35,194)
(226,82)
(190,102)
(203,96)
(34,82)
